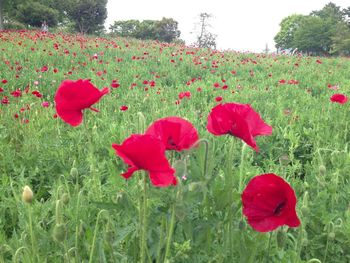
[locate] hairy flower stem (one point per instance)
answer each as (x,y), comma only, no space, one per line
(31,232)
(171,227)
(267,255)
(241,166)
(144,222)
(95,235)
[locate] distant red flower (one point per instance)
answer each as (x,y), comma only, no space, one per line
(282,81)
(74,96)
(44,69)
(1,89)
(124,108)
(269,202)
(239,120)
(115,85)
(318,61)
(339,98)
(145,152)
(16,93)
(4,81)
(5,100)
(218,99)
(176,133)
(333,87)
(45,104)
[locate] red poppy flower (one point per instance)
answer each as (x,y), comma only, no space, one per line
(73,96)
(124,108)
(175,133)
(339,98)
(269,202)
(239,120)
(145,152)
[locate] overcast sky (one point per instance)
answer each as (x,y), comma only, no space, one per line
(246,25)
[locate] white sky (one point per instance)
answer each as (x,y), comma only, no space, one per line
(246,25)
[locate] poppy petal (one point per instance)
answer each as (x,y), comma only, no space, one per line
(72,117)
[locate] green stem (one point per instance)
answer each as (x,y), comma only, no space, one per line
(299,242)
(267,255)
(170,233)
(160,241)
(77,228)
(326,252)
(144,222)
(241,166)
(15,260)
(31,232)
(95,235)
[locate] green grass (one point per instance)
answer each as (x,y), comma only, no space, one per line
(84,211)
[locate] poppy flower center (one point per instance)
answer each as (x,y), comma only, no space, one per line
(279,207)
(171,142)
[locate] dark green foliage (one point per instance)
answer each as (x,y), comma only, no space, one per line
(164,30)
(88,15)
(34,13)
(323,32)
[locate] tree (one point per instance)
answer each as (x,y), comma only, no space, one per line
(330,12)
(34,13)
(1,15)
(127,28)
(341,40)
(285,37)
(205,39)
(88,15)
(166,30)
(313,35)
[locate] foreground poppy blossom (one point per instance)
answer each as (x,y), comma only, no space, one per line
(239,120)
(74,96)
(146,152)
(269,202)
(339,98)
(176,133)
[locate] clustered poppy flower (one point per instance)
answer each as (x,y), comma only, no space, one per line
(176,133)
(146,152)
(269,202)
(74,96)
(239,120)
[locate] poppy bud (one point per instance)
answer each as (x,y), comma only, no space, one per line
(65,198)
(74,172)
(59,232)
(322,169)
(27,194)
(331,236)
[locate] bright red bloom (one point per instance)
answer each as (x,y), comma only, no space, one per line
(44,69)
(176,133)
(239,120)
(269,202)
(124,108)
(339,98)
(218,99)
(4,81)
(73,96)
(145,152)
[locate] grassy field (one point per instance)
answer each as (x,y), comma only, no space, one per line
(84,211)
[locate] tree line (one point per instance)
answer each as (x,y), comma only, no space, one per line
(84,16)
(322,32)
